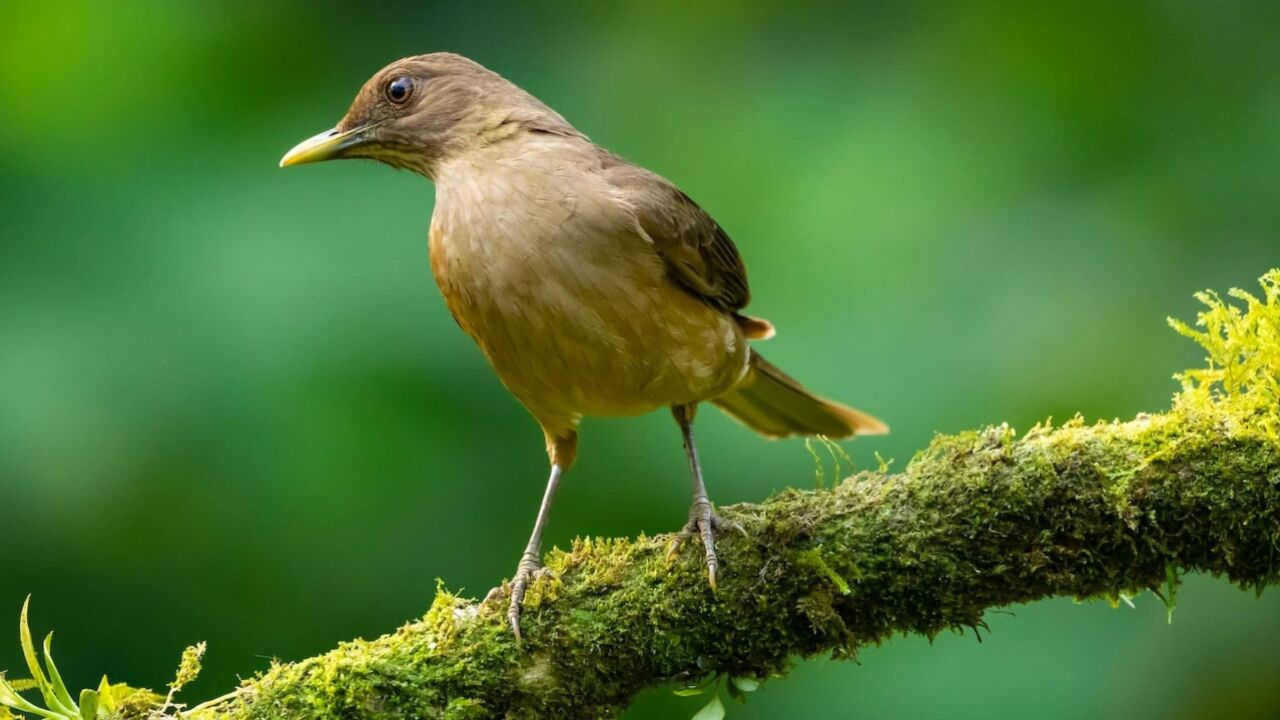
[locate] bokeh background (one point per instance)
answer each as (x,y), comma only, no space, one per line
(234,409)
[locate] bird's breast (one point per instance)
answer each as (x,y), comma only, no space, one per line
(545,269)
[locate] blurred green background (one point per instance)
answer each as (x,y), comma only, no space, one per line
(233,408)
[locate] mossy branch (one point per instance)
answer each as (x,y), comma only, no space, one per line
(978,520)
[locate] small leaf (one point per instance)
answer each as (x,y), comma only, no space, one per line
(745,684)
(689,691)
(736,694)
(713,710)
(10,698)
(113,697)
(23,685)
(88,704)
(67,705)
(29,653)
(106,700)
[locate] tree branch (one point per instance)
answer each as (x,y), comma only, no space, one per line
(977,521)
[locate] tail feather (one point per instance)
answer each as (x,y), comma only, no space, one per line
(768,401)
(754,328)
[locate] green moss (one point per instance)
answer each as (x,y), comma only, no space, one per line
(1243,362)
(977,520)
(812,560)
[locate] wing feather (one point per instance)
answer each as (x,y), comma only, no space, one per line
(699,254)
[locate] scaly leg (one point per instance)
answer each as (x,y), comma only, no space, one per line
(531,560)
(562,450)
(703,521)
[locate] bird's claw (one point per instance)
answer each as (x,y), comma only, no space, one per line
(706,524)
(530,567)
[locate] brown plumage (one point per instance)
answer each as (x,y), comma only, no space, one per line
(593,286)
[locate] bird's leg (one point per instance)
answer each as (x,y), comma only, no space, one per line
(562,449)
(531,560)
(703,521)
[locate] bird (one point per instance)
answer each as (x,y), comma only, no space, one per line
(593,286)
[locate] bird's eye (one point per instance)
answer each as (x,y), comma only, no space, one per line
(399,89)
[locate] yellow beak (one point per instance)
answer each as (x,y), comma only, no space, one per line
(328,145)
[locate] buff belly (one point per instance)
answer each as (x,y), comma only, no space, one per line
(587,325)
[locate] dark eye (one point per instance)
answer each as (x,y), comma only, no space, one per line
(399,89)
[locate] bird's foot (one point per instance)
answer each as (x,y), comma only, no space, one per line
(706,524)
(529,568)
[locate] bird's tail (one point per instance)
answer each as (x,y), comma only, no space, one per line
(768,401)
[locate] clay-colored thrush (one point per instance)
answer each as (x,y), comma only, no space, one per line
(593,286)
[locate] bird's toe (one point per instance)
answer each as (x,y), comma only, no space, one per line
(705,525)
(530,568)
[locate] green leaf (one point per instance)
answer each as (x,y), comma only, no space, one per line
(29,653)
(113,696)
(713,710)
(106,701)
(745,684)
(10,698)
(736,694)
(67,705)
(23,685)
(689,691)
(88,704)
(8,695)
(698,686)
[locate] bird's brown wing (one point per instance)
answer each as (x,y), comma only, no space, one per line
(698,253)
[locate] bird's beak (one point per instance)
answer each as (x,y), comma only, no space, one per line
(328,145)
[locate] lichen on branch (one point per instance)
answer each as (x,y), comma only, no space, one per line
(976,521)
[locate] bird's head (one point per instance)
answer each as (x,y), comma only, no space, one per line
(420,111)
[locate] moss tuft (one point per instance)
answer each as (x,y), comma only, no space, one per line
(1243,363)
